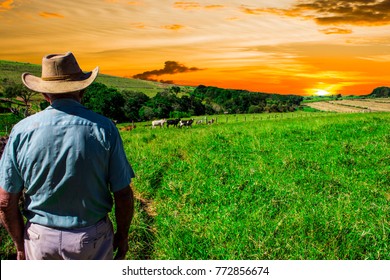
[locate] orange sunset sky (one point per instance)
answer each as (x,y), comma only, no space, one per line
(283,46)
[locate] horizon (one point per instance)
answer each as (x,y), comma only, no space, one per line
(299,47)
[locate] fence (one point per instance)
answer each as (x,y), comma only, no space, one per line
(257,117)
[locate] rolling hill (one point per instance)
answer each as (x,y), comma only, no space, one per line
(13,70)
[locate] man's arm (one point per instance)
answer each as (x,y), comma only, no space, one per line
(12,219)
(124,211)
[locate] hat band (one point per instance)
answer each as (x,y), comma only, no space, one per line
(63,77)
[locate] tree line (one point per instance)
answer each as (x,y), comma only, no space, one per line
(126,106)
(137,106)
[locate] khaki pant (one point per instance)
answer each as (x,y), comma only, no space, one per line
(89,243)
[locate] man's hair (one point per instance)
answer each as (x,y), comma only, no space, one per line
(73,95)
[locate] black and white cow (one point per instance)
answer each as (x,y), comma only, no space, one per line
(187,123)
(173,122)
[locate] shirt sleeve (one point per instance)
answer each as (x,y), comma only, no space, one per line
(10,177)
(120,171)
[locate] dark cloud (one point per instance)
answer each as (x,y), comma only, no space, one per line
(356,12)
(170,67)
(335,12)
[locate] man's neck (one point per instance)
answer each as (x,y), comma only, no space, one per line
(53,97)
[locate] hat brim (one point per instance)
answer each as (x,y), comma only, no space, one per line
(61,86)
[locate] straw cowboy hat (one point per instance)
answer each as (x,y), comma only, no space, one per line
(60,74)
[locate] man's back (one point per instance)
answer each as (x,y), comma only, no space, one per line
(66,157)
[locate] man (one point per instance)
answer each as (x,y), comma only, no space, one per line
(67,161)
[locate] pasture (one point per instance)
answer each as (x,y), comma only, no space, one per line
(352,105)
(280,188)
(305,186)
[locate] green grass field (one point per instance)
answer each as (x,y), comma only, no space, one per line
(308,186)
(297,188)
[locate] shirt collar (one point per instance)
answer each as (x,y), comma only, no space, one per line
(69,102)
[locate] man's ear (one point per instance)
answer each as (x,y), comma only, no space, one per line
(47,98)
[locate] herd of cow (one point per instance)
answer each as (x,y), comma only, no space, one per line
(177,123)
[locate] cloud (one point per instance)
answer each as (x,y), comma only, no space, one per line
(50,15)
(377,58)
(335,30)
(185,5)
(6,5)
(170,67)
(191,5)
(214,6)
(137,25)
(334,12)
(293,12)
(173,27)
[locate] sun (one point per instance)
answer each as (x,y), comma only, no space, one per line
(322,92)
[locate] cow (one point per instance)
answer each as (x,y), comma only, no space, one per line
(173,122)
(187,123)
(211,121)
(159,123)
(128,128)
(199,121)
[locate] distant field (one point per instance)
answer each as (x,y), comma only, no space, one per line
(13,71)
(353,105)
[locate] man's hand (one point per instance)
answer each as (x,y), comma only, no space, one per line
(20,255)
(121,246)
(12,220)
(124,210)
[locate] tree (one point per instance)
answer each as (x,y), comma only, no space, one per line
(163,103)
(105,101)
(175,89)
(133,103)
(13,90)
(254,109)
(146,113)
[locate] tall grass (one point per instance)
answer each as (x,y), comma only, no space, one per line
(300,188)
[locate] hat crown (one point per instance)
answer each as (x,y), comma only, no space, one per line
(60,67)
(60,74)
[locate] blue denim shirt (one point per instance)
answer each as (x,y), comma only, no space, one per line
(69,160)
